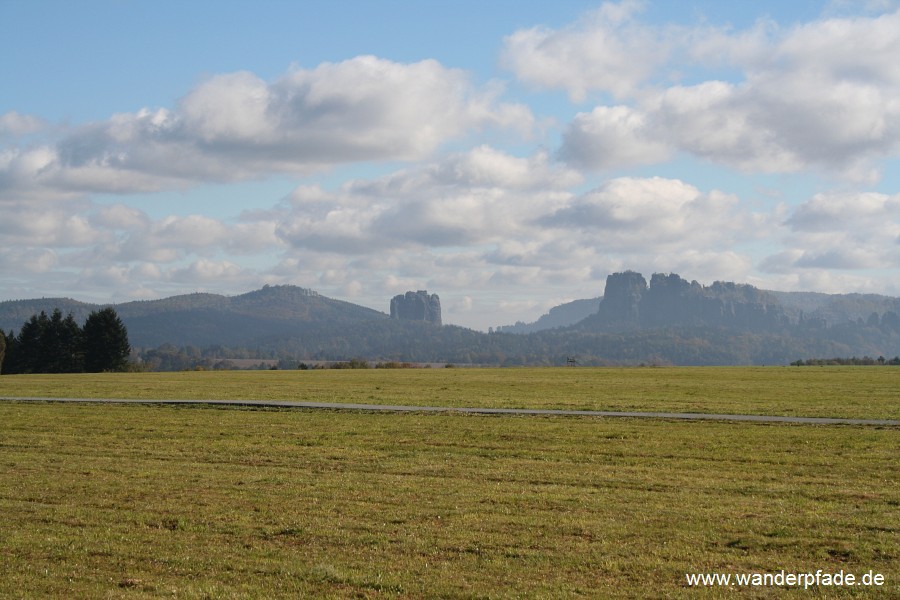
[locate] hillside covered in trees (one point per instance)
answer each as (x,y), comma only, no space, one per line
(667,320)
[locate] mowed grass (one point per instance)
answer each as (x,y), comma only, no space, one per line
(138,501)
(855,392)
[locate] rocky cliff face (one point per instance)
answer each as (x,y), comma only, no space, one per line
(669,300)
(622,299)
(417,306)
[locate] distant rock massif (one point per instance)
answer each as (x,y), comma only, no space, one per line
(667,320)
(417,306)
(629,302)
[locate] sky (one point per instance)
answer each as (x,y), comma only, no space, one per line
(505,155)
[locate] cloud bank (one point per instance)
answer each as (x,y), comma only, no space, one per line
(237,126)
(471,197)
(821,95)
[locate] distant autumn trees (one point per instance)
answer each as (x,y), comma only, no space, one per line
(57,344)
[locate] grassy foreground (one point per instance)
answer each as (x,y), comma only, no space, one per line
(137,501)
(855,392)
(131,501)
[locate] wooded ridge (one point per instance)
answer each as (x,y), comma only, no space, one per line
(666,321)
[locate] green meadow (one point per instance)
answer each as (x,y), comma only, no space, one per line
(853,392)
(144,501)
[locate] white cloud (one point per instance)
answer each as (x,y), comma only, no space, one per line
(339,229)
(466,199)
(206,271)
(612,137)
(229,109)
(822,95)
(828,105)
(846,231)
(448,226)
(487,167)
(110,276)
(23,175)
(632,213)
(109,248)
(607,50)
(830,281)
(120,216)
(236,126)
(192,231)
(174,237)
(14,124)
(840,212)
(147,280)
(464,216)
(839,258)
(52,227)
(22,262)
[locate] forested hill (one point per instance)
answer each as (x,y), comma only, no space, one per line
(251,319)
(13,313)
(666,321)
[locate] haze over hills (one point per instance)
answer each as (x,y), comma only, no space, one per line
(209,319)
(833,309)
(563,315)
(666,321)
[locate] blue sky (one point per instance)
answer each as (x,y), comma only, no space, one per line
(506,155)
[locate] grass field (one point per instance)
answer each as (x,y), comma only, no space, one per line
(855,392)
(131,501)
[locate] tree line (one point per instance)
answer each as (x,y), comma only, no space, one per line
(57,344)
(854,361)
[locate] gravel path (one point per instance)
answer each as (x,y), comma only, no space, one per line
(481,411)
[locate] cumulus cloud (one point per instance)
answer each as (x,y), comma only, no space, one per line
(14,124)
(486,226)
(634,213)
(237,126)
(829,281)
(708,263)
(799,100)
(823,104)
(837,212)
(114,249)
(19,262)
(612,137)
(608,49)
(465,199)
(138,238)
(842,231)
(205,270)
(23,175)
(26,225)
(450,225)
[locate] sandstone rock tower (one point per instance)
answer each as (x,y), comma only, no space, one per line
(417,306)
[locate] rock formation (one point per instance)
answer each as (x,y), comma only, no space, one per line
(669,300)
(622,299)
(417,306)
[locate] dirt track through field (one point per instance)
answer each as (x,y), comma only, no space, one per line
(477,410)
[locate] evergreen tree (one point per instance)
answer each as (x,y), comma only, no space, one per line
(30,346)
(106,346)
(9,360)
(72,337)
(2,350)
(62,345)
